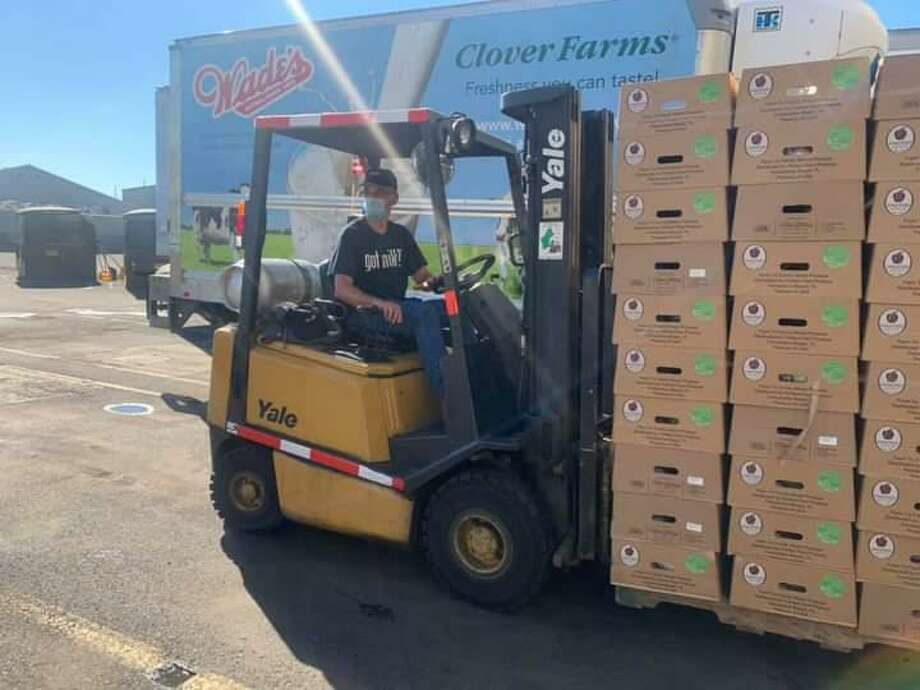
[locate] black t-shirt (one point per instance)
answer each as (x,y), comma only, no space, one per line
(380,264)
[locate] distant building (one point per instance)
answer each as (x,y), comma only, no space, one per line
(139,197)
(26,185)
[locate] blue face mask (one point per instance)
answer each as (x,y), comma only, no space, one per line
(375,210)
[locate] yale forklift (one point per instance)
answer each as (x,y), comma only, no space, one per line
(310,424)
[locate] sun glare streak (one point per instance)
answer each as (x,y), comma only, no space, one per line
(331,61)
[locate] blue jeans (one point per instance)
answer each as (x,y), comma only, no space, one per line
(423,321)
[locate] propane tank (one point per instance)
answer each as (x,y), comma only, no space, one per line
(282,280)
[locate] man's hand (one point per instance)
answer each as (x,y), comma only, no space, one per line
(392,312)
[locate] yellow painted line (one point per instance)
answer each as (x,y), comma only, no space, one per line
(133,654)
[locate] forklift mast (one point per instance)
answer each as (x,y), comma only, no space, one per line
(568,304)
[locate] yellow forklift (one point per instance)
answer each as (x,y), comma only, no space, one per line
(309,423)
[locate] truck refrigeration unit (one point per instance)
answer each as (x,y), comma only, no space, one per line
(452,59)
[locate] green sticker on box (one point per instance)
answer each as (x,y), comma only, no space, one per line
(835,316)
(846,77)
(830,481)
(840,137)
(704,202)
(704,365)
(832,587)
(828,533)
(705,146)
(702,416)
(836,256)
(710,91)
(703,310)
(697,563)
(834,372)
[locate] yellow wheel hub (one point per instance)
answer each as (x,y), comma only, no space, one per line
(481,543)
(247,491)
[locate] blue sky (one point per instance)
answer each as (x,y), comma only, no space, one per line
(79,75)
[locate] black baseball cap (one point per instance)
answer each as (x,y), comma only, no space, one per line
(380,177)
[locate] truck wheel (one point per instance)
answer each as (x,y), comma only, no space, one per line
(243,489)
(487,539)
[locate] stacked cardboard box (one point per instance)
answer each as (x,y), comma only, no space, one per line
(800,168)
(888,552)
(671,381)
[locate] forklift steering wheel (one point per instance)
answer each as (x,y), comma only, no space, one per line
(467,282)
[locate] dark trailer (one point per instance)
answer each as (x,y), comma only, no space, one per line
(55,247)
(141,258)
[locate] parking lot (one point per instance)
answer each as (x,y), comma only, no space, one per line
(115,573)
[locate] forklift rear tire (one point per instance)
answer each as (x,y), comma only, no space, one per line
(243,489)
(488,539)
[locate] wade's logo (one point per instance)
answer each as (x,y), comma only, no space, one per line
(276,415)
(246,90)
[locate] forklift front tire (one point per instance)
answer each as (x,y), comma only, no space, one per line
(487,539)
(243,489)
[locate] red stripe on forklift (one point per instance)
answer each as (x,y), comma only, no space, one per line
(346,119)
(418,115)
(450,302)
(273,122)
(259,437)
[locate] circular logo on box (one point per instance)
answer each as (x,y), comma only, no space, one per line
(832,586)
(757,144)
(754,574)
(633,207)
(881,546)
(835,316)
(753,313)
(840,137)
(635,361)
(834,372)
(755,256)
(830,481)
(901,139)
(897,263)
(632,410)
(710,91)
(751,473)
(635,153)
(754,369)
(629,556)
(751,524)
(638,100)
(760,86)
(633,309)
(899,201)
(828,533)
(892,381)
(705,365)
(888,439)
(703,310)
(892,322)
(836,256)
(697,563)
(885,494)
(705,146)
(704,203)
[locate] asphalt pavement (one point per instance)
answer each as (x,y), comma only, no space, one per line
(115,572)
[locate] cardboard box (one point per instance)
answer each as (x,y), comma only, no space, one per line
(672,424)
(896,151)
(670,269)
(796,325)
(895,214)
(894,275)
(890,449)
(791,539)
(819,595)
(892,334)
(805,92)
(758,432)
(888,559)
(815,212)
(667,569)
(679,105)
(897,94)
(795,382)
(668,520)
(674,215)
(802,489)
(798,269)
(892,392)
(671,321)
(676,374)
(891,506)
(672,161)
(780,152)
(673,473)
(890,613)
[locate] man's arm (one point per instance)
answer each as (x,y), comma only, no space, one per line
(346,291)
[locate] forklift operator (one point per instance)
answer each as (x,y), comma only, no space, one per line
(372,264)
